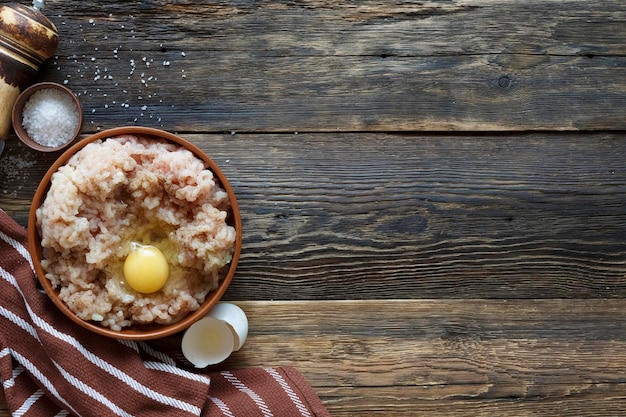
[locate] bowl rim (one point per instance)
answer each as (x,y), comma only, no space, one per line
(18,108)
(135,332)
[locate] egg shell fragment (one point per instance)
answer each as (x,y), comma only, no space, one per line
(208,341)
(236,319)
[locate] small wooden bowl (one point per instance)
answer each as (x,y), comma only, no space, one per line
(134,332)
(17,118)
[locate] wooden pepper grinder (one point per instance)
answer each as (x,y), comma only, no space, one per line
(27,39)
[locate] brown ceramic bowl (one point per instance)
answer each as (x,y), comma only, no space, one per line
(134,332)
(18,109)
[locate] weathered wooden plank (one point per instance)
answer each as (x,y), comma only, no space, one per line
(481,93)
(328,66)
(403,357)
(400,216)
(440,342)
(346,28)
(530,216)
(444,218)
(590,400)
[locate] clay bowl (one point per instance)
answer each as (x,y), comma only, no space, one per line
(137,331)
(18,110)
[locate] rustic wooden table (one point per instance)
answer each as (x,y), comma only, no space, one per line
(433,193)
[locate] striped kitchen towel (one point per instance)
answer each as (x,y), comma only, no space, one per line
(49,366)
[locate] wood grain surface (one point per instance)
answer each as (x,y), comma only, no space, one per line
(432,193)
(449,357)
(348,66)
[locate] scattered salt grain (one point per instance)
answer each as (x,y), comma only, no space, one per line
(50,117)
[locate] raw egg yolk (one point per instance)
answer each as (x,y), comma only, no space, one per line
(145,269)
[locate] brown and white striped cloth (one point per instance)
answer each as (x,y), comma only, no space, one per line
(49,366)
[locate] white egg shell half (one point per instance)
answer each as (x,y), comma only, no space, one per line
(208,341)
(235,317)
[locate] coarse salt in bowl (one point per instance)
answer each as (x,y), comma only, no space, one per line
(47,117)
(134,331)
